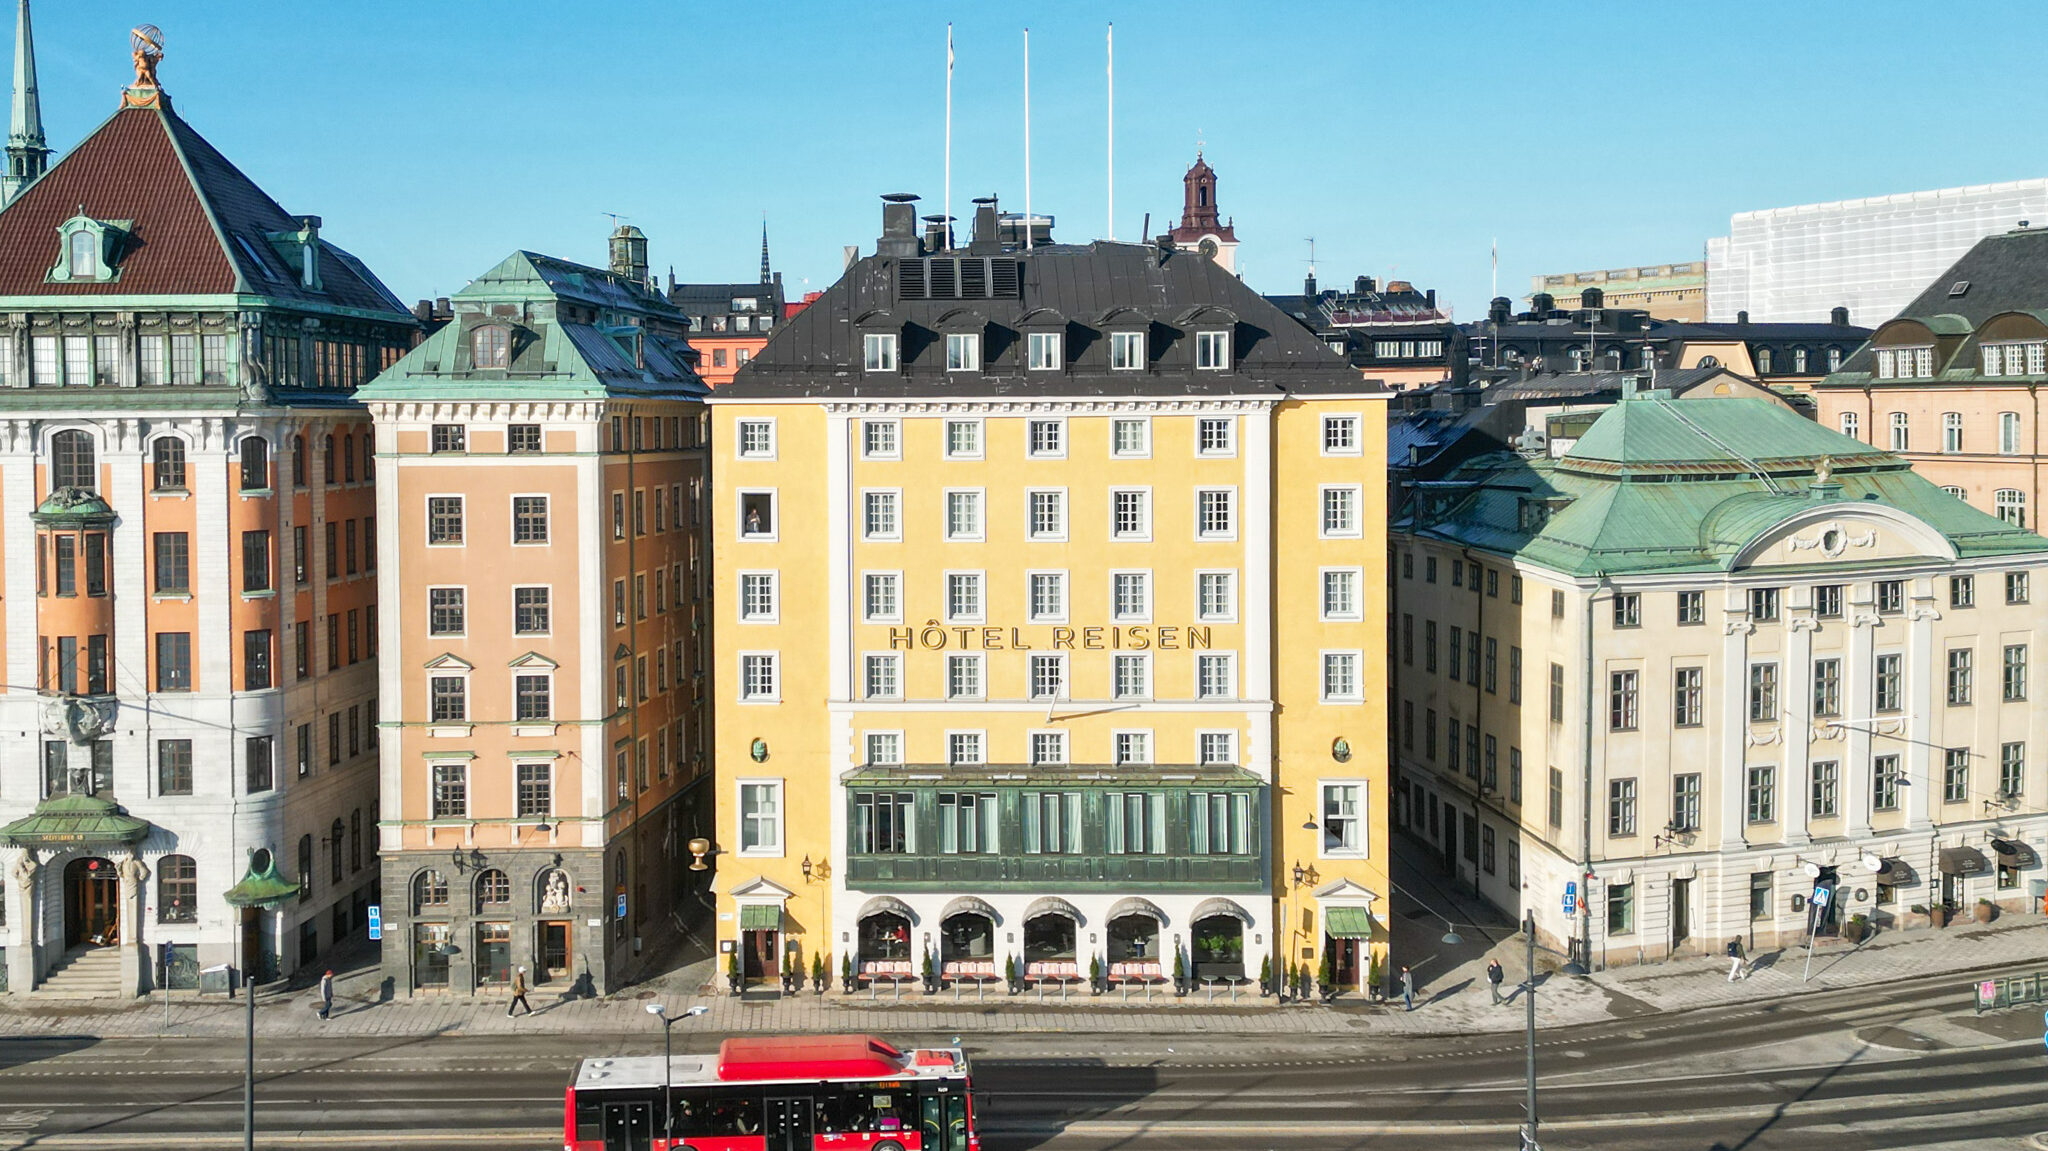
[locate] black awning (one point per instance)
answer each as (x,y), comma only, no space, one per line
(2013,853)
(1962,861)
(1895,873)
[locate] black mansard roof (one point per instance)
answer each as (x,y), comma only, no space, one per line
(1084,292)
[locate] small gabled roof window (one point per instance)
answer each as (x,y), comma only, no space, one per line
(89,250)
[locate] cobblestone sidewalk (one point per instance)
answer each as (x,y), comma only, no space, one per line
(1454,1000)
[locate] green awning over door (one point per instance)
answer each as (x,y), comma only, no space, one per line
(1347,923)
(755,917)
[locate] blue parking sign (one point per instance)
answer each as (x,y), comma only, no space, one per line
(376,921)
(621,912)
(1571,897)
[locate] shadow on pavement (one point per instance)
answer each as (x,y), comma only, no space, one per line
(1027,1103)
(19,1052)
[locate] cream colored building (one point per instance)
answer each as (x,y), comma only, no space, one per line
(1048,630)
(1696,683)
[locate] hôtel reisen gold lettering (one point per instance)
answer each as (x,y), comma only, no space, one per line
(934,636)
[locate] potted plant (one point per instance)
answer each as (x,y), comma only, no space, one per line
(1376,976)
(1265,976)
(1938,915)
(1095,985)
(1857,929)
(1326,977)
(1300,978)
(931,975)
(1985,910)
(793,969)
(1010,975)
(732,971)
(846,974)
(1180,973)
(818,973)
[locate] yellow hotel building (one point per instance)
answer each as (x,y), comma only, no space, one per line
(1048,599)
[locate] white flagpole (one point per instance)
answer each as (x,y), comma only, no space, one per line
(948,225)
(1112,131)
(1027,139)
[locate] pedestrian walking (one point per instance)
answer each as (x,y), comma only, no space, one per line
(1407,990)
(1737,962)
(327,994)
(1494,975)
(518,993)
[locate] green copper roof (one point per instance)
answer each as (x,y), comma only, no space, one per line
(577,334)
(72,820)
(264,887)
(73,506)
(1660,485)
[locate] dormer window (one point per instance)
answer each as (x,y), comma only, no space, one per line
(1126,351)
(963,351)
(88,251)
(1905,363)
(1212,350)
(878,351)
(1046,353)
(490,345)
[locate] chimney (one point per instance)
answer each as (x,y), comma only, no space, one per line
(1839,317)
(1362,285)
(936,238)
(1742,317)
(899,226)
(423,311)
(1592,298)
(1430,297)
(1542,304)
(1308,286)
(629,253)
(1500,309)
(986,241)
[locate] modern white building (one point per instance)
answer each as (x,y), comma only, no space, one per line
(1871,256)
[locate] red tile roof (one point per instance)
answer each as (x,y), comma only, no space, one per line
(198,226)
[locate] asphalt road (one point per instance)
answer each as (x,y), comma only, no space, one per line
(1777,1075)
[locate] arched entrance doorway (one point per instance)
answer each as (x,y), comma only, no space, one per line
(92,903)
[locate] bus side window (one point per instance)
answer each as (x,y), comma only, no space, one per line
(736,1112)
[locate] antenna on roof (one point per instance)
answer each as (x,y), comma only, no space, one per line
(1027,139)
(948,208)
(1110,56)
(1311,255)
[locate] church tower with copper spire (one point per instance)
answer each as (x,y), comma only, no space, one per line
(28,153)
(1201,228)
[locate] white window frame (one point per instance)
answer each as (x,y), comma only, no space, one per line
(1066,595)
(1951,432)
(1144,534)
(514,609)
(427,507)
(867,747)
(1053,735)
(895,660)
(1357,493)
(1357,612)
(895,579)
(461,634)
(1144,424)
(1045,351)
(980,439)
(512,520)
(739,438)
(775,668)
(979,735)
(774,613)
(1362,821)
(1143,735)
(1230,574)
(1229,738)
(1208,345)
(1120,345)
(739,515)
(1357,692)
(1059,426)
(1141,659)
(535,670)
(963,351)
(1229,492)
(1031,673)
(1229,450)
(1229,661)
(1357,422)
(878,351)
(896,495)
(1901,425)
(1031,514)
(1144,615)
(895,451)
(979,662)
(780,815)
(980,532)
(2009,433)
(980,580)
(1852,425)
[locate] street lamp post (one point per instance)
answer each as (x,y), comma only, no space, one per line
(1529,1032)
(668,1117)
(261,889)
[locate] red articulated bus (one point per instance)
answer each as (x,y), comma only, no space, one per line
(796,1093)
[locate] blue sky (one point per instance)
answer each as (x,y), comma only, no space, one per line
(436,137)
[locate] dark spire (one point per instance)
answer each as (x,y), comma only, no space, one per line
(28,153)
(767,277)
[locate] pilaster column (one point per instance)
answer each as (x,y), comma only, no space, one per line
(1734,726)
(1861,684)
(1924,666)
(1798,728)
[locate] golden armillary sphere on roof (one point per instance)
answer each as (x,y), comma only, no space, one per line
(146,43)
